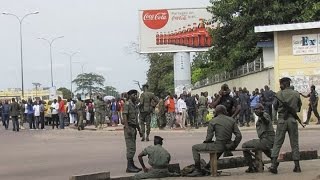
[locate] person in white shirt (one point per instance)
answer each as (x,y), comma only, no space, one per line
(54,113)
(71,111)
(36,110)
(182,111)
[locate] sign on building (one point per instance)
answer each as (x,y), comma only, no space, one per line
(52,93)
(306,44)
(175,30)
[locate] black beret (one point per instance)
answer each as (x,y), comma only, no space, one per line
(285,79)
(158,137)
(132,91)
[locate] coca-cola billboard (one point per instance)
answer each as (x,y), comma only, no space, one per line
(175,30)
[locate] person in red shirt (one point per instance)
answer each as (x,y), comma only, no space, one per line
(169,103)
(62,112)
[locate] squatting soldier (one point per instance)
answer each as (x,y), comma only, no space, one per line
(222,127)
(146,100)
(286,123)
(313,104)
(100,107)
(266,135)
(130,119)
(80,108)
(159,159)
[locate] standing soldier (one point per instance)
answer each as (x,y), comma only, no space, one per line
(313,104)
(146,100)
(80,107)
(99,112)
(286,123)
(23,117)
(130,119)
(161,114)
(266,137)
(203,102)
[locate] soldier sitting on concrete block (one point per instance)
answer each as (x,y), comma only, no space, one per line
(266,136)
(159,159)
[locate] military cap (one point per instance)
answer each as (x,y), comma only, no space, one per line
(158,138)
(285,79)
(132,91)
(259,106)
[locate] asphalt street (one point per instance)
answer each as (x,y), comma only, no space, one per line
(58,154)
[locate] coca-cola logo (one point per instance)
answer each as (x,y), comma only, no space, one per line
(155,19)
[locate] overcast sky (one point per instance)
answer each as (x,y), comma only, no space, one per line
(101,30)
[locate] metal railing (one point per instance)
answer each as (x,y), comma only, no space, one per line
(248,68)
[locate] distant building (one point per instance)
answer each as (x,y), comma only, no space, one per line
(40,93)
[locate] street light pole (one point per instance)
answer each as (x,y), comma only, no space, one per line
(50,44)
(21,49)
(70,60)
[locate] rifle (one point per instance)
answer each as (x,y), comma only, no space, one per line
(291,111)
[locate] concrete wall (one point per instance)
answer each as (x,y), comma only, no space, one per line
(250,81)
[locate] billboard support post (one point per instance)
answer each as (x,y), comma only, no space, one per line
(182,72)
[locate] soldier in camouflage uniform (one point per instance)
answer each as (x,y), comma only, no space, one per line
(313,104)
(286,123)
(222,127)
(130,119)
(161,114)
(266,135)
(159,159)
(146,108)
(202,111)
(100,107)
(80,108)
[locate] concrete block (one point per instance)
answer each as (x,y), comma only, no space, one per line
(122,178)
(93,176)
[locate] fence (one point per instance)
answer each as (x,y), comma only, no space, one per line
(255,66)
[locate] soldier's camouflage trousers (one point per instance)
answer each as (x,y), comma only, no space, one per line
(145,120)
(291,126)
(130,134)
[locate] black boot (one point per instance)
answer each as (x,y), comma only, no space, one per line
(147,138)
(197,171)
(274,166)
(143,138)
(297,168)
(140,169)
(130,167)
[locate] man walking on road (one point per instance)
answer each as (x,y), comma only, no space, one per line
(130,119)
(146,108)
(14,112)
(286,123)
(5,114)
(313,104)
(80,110)
(222,127)
(266,137)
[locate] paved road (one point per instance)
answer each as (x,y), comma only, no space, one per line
(57,154)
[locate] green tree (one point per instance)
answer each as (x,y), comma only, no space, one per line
(66,93)
(111,91)
(160,74)
(89,83)
(235,40)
